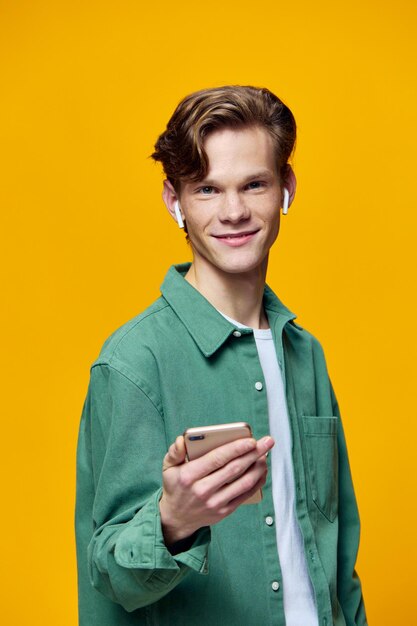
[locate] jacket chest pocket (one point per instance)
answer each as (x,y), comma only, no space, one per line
(320,435)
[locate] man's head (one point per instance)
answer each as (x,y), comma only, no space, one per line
(225,154)
(180,148)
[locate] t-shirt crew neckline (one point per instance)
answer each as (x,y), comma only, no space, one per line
(258,333)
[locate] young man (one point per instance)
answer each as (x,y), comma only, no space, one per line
(169,542)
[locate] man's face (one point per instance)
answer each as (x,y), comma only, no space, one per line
(232,215)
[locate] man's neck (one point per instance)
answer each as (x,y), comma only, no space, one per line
(238,296)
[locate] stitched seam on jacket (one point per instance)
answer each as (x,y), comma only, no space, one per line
(108,364)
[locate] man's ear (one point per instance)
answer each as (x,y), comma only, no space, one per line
(169,196)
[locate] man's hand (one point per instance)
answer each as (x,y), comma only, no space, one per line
(204,491)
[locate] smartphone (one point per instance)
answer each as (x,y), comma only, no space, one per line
(202,439)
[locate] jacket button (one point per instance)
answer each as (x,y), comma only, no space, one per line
(259,386)
(275,585)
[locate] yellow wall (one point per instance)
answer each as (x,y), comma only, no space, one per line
(86,87)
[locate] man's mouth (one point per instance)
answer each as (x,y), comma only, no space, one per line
(236,239)
(239,235)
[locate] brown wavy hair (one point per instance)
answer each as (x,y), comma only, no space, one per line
(180,148)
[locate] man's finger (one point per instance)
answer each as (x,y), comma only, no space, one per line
(233,504)
(236,467)
(175,454)
(219,457)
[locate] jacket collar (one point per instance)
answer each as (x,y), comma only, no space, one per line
(205,324)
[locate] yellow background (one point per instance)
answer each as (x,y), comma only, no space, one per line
(86,87)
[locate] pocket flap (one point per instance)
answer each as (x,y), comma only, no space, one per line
(320,426)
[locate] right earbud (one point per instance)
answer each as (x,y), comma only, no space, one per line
(178,214)
(286,201)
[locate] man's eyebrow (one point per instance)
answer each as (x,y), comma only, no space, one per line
(211,182)
(260,174)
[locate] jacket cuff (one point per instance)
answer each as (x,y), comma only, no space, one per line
(141,544)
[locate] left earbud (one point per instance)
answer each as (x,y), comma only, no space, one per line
(285,201)
(178,214)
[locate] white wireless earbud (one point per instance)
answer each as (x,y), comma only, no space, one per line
(286,201)
(178,214)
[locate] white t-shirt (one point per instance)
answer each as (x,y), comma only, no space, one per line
(299,603)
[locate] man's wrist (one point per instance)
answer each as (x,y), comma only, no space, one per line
(174,532)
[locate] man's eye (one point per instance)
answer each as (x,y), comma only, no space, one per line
(206,190)
(255,184)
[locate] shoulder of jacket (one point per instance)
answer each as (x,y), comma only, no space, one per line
(304,336)
(132,333)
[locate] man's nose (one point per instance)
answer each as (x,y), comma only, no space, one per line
(233,209)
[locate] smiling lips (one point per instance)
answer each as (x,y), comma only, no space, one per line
(236,239)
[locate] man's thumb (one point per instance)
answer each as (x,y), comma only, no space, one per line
(175,454)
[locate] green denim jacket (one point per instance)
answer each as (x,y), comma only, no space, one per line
(177,365)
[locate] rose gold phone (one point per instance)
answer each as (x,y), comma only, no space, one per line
(202,439)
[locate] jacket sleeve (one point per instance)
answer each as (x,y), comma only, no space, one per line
(119,466)
(348,583)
